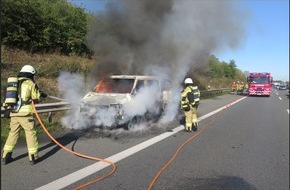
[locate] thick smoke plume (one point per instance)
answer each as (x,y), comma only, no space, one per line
(134,35)
(163,37)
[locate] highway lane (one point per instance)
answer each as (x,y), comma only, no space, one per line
(247,148)
(217,157)
(55,163)
(283,96)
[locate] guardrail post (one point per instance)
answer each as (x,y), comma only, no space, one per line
(49,117)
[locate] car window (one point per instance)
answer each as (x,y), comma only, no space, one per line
(140,84)
(260,80)
(115,86)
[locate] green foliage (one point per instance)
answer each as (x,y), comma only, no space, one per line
(222,69)
(52,69)
(217,74)
(44,26)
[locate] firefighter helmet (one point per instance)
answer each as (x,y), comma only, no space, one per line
(28,69)
(188,81)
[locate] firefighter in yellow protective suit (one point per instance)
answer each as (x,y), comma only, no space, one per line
(243,86)
(189,103)
(240,87)
(234,86)
(28,91)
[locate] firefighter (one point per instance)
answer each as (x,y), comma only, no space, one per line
(238,87)
(242,87)
(28,91)
(189,103)
(234,87)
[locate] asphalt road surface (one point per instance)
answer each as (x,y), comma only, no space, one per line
(242,143)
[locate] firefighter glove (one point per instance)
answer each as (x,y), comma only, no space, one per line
(187,108)
(42,94)
(6,113)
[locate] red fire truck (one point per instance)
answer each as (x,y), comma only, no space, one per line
(259,84)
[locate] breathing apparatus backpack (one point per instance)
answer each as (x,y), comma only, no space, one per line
(193,96)
(12,101)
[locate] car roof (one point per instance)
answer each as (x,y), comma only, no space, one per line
(136,77)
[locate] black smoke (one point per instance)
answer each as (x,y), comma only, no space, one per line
(139,36)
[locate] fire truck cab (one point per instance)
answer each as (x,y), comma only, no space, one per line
(259,84)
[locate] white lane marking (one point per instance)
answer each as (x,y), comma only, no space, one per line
(82,173)
(280,98)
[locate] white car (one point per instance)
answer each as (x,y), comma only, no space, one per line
(120,99)
(282,87)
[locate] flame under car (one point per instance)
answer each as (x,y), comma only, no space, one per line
(121,99)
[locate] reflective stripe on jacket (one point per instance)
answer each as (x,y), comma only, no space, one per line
(28,92)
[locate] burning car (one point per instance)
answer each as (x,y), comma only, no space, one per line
(120,99)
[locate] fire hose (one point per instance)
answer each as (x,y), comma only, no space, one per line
(77,154)
(56,98)
(185,143)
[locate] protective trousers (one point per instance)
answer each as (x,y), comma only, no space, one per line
(27,122)
(190,118)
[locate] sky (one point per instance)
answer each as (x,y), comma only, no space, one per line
(265,47)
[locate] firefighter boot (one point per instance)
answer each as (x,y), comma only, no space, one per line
(33,159)
(187,129)
(7,159)
(194,127)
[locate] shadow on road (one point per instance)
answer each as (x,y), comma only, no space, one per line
(63,140)
(222,182)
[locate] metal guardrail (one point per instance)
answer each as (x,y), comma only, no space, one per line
(214,91)
(52,107)
(62,106)
(48,107)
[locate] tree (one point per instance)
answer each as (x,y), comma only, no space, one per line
(232,63)
(44,26)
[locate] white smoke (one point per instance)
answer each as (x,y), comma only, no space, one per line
(72,87)
(104,117)
(144,101)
